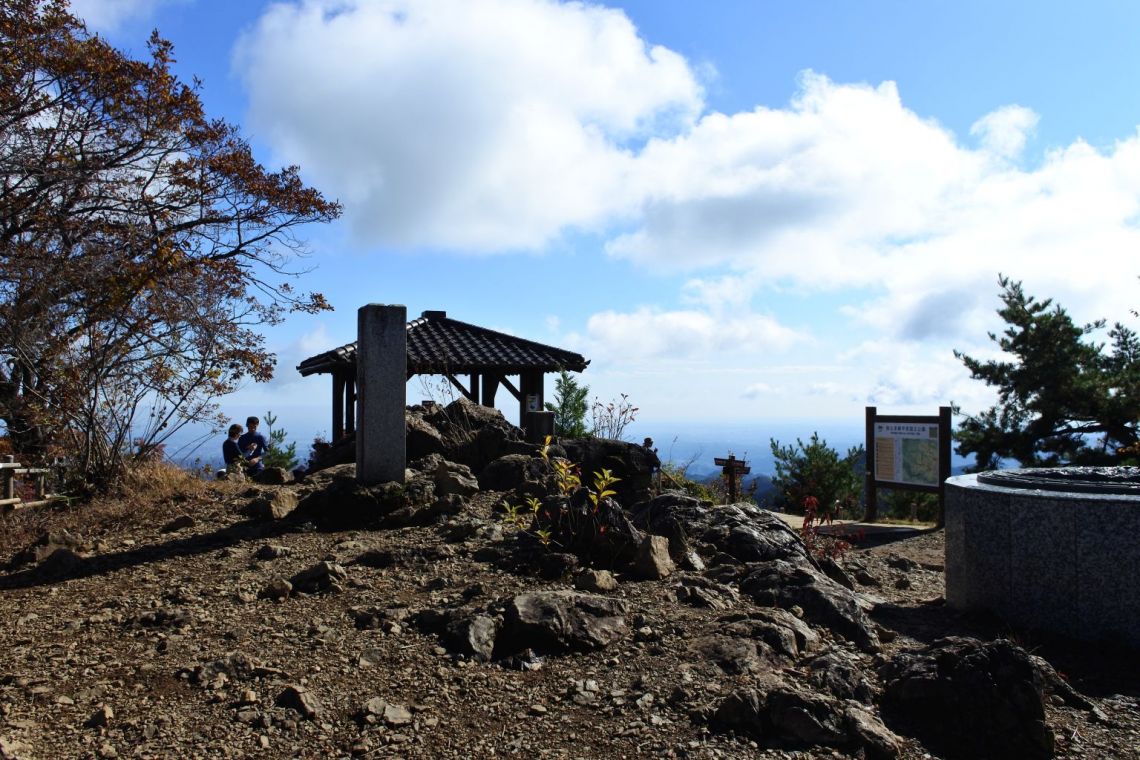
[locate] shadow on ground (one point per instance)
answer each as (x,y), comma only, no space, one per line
(48,573)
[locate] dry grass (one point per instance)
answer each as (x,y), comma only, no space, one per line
(150,493)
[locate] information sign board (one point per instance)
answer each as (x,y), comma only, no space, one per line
(906,452)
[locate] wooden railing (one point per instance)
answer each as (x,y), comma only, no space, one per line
(11,473)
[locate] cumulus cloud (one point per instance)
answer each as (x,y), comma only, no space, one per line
(1004,132)
(499,125)
(109,15)
(478,125)
(847,188)
(649,333)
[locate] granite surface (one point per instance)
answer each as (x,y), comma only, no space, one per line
(1064,563)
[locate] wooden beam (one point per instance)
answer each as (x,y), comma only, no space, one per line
(459,386)
(530,384)
(474,394)
(490,386)
(349,405)
(337,407)
(510,386)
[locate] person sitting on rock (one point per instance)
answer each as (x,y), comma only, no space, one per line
(253,446)
(231,450)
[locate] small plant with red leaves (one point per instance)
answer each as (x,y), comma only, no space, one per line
(821,545)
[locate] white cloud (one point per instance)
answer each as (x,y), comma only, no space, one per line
(912,377)
(314,342)
(756,390)
(649,333)
(1004,132)
(486,125)
(847,188)
(109,15)
(494,125)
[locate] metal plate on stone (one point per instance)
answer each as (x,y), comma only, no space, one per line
(1102,480)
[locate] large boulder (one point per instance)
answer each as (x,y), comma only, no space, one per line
(782,584)
(276,504)
(561,621)
(517,472)
(452,478)
(743,531)
(632,462)
(774,710)
(652,561)
(273,476)
(964,698)
(765,557)
(599,533)
(475,435)
(422,438)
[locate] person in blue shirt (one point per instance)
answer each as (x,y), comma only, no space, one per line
(231,451)
(253,446)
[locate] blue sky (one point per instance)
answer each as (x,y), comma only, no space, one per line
(743,213)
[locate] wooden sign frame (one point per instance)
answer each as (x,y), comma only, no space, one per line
(942,421)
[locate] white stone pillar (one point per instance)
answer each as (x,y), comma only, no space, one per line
(381,379)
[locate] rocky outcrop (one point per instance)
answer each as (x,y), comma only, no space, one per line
(775,709)
(758,552)
(562,621)
(433,488)
(522,473)
(462,432)
(601,533)
(536,624)
(782,584)
(473,434)
(965,698)
(633,463)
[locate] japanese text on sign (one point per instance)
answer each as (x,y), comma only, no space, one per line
(906,452)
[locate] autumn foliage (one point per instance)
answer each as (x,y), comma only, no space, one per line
(141,245)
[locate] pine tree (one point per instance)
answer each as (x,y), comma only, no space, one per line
(1062,398)
(280,454)
(569,407)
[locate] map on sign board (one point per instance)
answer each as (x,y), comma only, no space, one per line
(907,452)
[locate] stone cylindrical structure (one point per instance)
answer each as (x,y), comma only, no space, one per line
(381,380)
(1050,550)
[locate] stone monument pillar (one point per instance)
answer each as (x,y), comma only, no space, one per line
(381,379)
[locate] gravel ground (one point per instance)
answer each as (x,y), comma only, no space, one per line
(161,645)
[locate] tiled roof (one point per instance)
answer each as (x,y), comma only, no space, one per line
(439,345)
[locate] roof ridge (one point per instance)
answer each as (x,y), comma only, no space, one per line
(475,347)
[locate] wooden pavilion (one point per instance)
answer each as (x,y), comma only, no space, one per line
(439,345)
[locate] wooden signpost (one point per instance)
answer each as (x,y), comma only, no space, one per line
(732,468)
(909,453)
